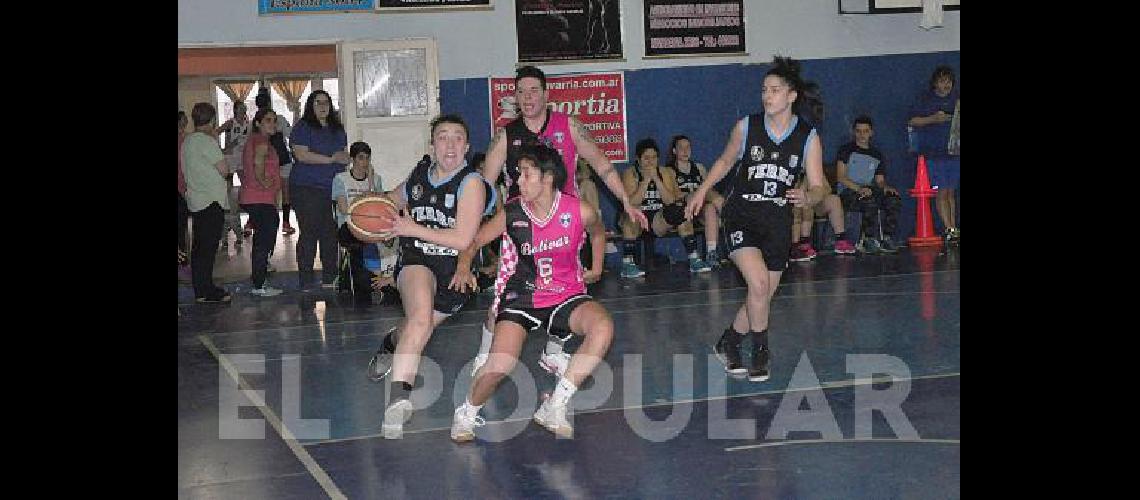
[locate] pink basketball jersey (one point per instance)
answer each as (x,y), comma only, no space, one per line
(557,135)
(539,264)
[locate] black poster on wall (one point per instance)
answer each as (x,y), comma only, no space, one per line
(567,30)
(410,4)
(685,27)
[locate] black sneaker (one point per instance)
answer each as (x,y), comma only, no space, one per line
(759,370)
(381,363)
(887,245)
(728,350)
(955,235)
(215,298)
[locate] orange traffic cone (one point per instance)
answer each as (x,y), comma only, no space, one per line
(923,223)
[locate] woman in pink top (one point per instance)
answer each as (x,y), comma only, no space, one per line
(542,288)
(260,181)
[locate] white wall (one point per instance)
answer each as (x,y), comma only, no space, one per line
(482,43)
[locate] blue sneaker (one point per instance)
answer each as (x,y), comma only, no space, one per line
(713,259)
(871,246)
(696,265)
(630,270)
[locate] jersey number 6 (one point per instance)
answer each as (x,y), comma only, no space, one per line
(545,269)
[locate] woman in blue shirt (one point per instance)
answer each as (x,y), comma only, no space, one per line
(930,118)
(319,142)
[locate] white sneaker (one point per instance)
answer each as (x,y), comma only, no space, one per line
(553,418)
(479,361)
(466,420)
(395,416)
(555,364)
(266,291)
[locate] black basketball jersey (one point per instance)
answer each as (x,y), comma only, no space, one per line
(436,205)
(769,169)
(691,181)
(518,137)
(652,200)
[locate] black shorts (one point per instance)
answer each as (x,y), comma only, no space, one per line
(446,300)
(769,230)
(555,319)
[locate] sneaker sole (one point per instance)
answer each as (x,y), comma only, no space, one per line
(463,438)
(701,270)
(845,252)
(723,360)
(395,431)
(372,363)
(560,431)
(761,378)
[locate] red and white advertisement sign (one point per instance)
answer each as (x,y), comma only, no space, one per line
(595,99)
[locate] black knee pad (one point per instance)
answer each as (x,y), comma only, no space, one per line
(674,214)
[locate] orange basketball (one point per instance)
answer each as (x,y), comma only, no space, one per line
(370,215)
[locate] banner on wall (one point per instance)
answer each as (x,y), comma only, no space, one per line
(684,27)
(595,99)
(428,4)
(269,7)
(568,30)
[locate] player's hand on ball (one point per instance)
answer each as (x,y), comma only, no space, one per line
(403,225)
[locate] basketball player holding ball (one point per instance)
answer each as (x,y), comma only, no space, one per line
(444,201)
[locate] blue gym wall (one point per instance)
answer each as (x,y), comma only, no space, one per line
(703,102)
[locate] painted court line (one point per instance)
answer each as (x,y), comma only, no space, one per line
(318,473)
(832,441)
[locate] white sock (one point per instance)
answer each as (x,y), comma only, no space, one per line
(711,245)
(694,255)
(562,392)
(553,345)
(485,344)
(470,408)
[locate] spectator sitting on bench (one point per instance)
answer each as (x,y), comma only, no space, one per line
(656,192)
(858,163)
(690,175)
(801,231)
(359,180)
